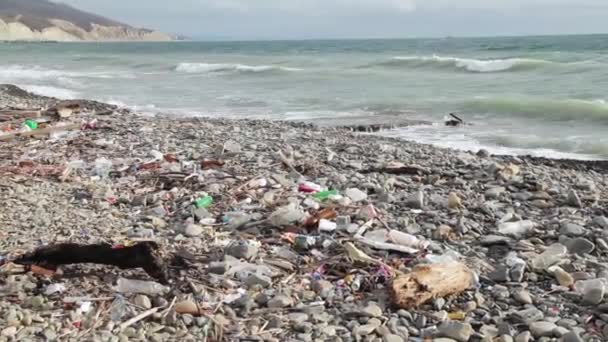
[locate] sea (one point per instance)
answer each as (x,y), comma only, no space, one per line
(542,95)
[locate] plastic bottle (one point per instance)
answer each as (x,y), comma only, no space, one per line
(204,202)
(31,124)
(76,164)
(408,240)
(151,288)
(103,167)
(118,309)
(309,187)
(324,195)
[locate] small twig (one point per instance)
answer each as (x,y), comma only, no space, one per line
(166,311)
(288,162)
(139,317)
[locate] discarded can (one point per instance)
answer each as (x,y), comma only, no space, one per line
(204,202)
(324,195)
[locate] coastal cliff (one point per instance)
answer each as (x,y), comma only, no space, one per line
(42,20)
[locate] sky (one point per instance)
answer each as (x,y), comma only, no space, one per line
(318,19)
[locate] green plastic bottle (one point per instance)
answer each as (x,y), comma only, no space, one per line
(204,202)
(324,195)
(31,124)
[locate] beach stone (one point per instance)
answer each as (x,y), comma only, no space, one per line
(392,338)
(563,277)
(524,336)
(232,146)
(286,215)
(280,301)
(322,287)
(571,229)
(303,327)
(593,293)
(573,199)
(580,246)
(193,230)
(355,195)
(258,279)
(9,332)
(158,222)
(529,315)
(571,337)
(516,229)
(365,329)
(415,200)
(494,193)
(542,328)
(522,296)
(243,249)
(560,331)
(551,256)
(483,153)
(142,301)
(201,213)
(601,221)
(297,317)
(217,267)
(371,310)
(500,274)
(455,330)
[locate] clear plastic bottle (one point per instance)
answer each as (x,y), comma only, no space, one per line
(151,288)
(408,240)
(118,309)
(103,167)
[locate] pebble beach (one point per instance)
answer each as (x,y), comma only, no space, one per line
(286,232)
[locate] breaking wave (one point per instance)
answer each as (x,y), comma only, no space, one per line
(551,109)
(21,72)
(60,93)
(202,68)
(468,64)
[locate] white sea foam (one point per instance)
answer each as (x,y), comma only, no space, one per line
(470,64)
(60,93)
(196,68)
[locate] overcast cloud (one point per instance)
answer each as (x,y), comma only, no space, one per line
(302,19)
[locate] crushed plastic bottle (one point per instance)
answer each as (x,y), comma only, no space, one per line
(33,125)
(204,202)
(151,288)
(76,164)
(327,226)
(408,240)
(309,187)
(103,167)
(118,309)
(236,219)
(325,195)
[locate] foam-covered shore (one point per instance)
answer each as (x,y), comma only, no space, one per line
(530,228)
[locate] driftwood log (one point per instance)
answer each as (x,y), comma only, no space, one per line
(427,282)
(142,255)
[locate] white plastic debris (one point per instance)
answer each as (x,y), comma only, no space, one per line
(54,288)
(327,226)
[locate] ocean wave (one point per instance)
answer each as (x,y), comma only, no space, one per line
(60,93)
(201,68)
(566,144)
(20,72)
(551,109)
(467,64)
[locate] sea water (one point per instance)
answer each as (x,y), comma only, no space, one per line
(522,95)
